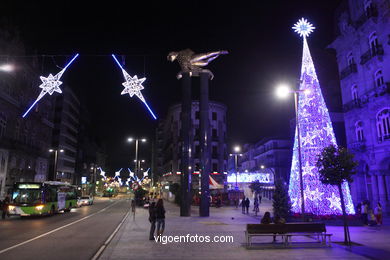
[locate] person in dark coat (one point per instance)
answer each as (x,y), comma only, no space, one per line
(4,205)
(243,203)
(247,204)
(160,217)
(152,220)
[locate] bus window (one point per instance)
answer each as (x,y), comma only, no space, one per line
(27,196)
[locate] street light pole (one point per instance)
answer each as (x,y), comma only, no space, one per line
(235,169)
(136,152)
(299,153)
(283,91)
(136,157)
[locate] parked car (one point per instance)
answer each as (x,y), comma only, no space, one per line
(85,200)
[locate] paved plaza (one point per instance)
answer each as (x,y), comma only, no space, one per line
(131,241)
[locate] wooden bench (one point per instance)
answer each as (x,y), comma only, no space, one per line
(289,230)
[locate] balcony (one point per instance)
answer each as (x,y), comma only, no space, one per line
(352,68)
(367,97)
(359,146)
(356,103)
(377,51)
(384,138)
(372,13)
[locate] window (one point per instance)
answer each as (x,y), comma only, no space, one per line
(3,124)
(378,78)
(214,133)
(350,59)
(214,116)
(17,130)
(374,45)
(368,8)
(214,150)
(355,95)
(359,131)
(215,167)
(383,124)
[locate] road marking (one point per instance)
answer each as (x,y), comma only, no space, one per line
(101,249)
(55,230)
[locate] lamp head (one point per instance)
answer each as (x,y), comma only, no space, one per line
(282,91)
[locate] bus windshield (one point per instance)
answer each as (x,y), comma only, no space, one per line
(27,196)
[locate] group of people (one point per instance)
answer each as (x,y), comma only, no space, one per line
(370,216)
(266,219)
(245,204)
(156,216)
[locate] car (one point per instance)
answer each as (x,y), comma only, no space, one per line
(85,200)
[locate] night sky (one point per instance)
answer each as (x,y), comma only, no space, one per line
(264,51)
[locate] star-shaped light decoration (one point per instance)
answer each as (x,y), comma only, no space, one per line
(50,84)
(308,139)
(303,27)
(334,202)
(308,193)
(296,202)
(316,194)
(133,86)
(307,169)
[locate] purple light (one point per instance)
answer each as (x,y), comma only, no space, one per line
(316,133)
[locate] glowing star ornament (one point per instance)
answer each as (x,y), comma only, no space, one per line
(334,202)
(308,170)
(316,133)
(50,84)
(133,86)
(303,27)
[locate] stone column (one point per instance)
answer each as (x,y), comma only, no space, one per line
(204,141)
(375,195)
(382,191)
(185,177)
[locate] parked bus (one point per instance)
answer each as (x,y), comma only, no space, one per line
(42,198)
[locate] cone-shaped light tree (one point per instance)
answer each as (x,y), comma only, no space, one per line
(316,133)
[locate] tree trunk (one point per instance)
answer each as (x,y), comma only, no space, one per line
(347,238)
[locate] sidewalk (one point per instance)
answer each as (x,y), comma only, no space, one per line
(131,241)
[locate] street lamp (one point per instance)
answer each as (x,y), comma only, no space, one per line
(6,67)
(236,153)
(283,91)
(55,151)
(136,151)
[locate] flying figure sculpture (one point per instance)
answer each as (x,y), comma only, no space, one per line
(193,63)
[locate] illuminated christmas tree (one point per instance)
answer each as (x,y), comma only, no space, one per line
(316,133)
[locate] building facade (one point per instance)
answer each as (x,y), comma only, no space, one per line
(363,57)
(169,144)
(271,155)
(65,135)
(24,142)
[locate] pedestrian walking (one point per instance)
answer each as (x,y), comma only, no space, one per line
(133,208)
(365,213)
(152,220)
(260,199)
(243,205)
(378,214)
(256,205)
(247,204)
(160,217)
(5,204)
